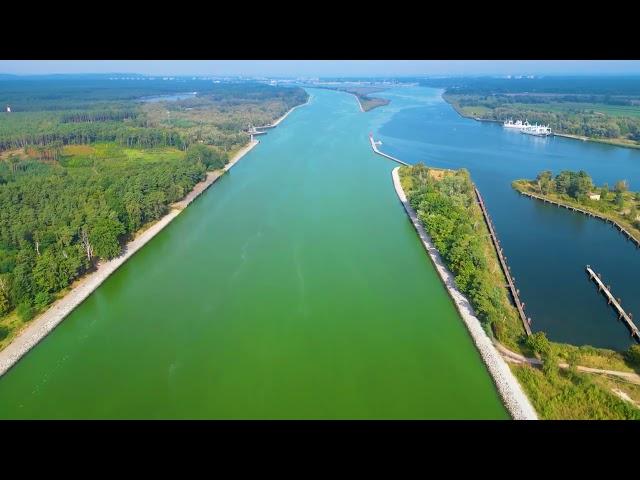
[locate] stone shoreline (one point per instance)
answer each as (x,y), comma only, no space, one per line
(359,103)
(510,391)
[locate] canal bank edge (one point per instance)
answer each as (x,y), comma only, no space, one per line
(49,319)
(514,398)
(44,323)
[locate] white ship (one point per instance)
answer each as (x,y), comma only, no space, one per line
(518,125)
(537,130)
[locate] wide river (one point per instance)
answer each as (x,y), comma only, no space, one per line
(294,288)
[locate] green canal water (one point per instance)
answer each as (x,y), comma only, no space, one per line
(294,288)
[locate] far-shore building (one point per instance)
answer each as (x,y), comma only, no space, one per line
(594,196)
(8,109)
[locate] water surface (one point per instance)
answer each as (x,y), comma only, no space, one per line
(547,247)
(295,287)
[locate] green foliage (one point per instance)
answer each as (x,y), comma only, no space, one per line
(5,294)
(571,396)
(539,343)
(4,332)
(574,184)
(42,300)
(105,235)
(447,207)
(621,186)
(632,355)
(25,311)
(212,157)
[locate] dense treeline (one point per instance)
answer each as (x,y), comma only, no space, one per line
(87,133)
(56,225)
(580,87)
(84,165)
(604,108)
(217,116)
(447,207)
(569,118)
(98,116)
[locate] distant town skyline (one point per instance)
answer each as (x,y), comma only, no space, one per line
(323,68)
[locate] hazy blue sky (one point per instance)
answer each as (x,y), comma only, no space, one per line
(322,67)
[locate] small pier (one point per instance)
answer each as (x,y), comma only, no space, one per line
(611,300)
(374,146)
(526,322)
(622,230)
(255,131)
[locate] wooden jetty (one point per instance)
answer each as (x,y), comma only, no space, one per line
(526,322)
(622,230)
(375,149)
(611,300)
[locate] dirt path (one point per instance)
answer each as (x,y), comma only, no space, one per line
(514,357)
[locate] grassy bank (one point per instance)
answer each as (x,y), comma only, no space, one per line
(446,205)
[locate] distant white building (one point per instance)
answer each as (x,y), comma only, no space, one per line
(8,109)
(594,196)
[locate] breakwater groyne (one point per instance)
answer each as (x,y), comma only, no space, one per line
(515,293)
(359,103)
(615,303)
(622,230)
(374,146)
(513,397)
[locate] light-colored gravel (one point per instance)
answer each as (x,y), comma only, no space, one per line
(513,396)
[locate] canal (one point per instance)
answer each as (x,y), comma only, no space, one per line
(294,288)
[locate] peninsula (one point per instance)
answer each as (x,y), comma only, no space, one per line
(560,376)
(576,191)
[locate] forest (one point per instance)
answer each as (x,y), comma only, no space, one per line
(84,165)
(599,108)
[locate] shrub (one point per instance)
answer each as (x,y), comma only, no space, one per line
(633,355)
(539,343)
(4,331)
(25,311)
(42,300)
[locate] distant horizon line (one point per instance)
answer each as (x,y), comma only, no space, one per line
(238,75)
